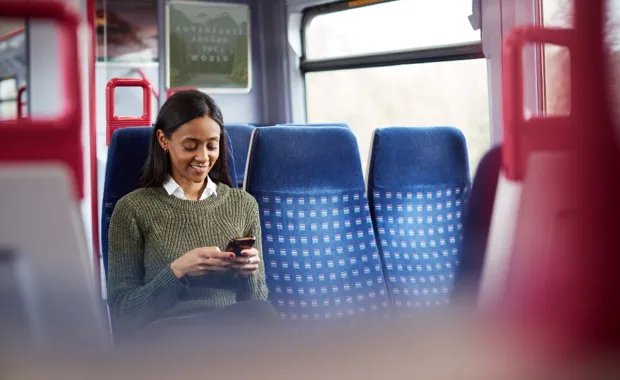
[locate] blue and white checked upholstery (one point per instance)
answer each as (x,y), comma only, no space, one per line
(419,180)
(129,148)
(319,248)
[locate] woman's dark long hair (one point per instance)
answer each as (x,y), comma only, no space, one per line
(181,108)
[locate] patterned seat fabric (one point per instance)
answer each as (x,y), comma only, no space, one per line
(319,248)
(419,179)
(127,154)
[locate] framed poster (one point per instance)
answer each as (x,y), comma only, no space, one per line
(127,32)
(208,46)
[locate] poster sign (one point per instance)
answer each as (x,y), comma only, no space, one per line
(127,32)
(208,46)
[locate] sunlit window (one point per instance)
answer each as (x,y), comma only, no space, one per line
(8,97)
(450,93)
(13,65)
(557,14)
(391,26)
(430,94)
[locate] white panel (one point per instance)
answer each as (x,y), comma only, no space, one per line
(41,225)
(492,48)
(500,242)
(44,66)
(499,17)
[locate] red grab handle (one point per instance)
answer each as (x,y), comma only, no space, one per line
(56,138)
(521,136)
(114,122)
(20,102)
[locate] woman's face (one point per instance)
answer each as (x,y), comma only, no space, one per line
(193,148)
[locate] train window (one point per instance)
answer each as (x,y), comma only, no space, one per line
(613,43)
(556,14)
(13,65)
(8,99)
(429,94)
(389,26)
(437,77)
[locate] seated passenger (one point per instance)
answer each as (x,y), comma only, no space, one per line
(166,238)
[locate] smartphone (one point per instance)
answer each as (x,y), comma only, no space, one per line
(238,244)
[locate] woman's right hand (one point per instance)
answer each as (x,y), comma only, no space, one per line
(199,261)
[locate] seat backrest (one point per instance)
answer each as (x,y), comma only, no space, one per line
(419,181)
(476,226)
(129,149)
(240,135)
(343,125)
(319,247)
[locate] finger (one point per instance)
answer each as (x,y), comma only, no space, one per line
(250,252)
(215,253)
(242,267)
(210,263)
(246,260)
(207,269)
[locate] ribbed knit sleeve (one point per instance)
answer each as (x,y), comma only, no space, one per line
(255,287)
(132,302)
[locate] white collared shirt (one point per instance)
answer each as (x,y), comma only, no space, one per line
(173,188)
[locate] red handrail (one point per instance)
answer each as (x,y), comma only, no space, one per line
(521,136)
(561,282)
(58,138)
(143,76)
(12,33)
(114,122)
(172,91)
(20,102)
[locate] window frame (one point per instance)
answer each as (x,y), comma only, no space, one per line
(497,19)
(442,53)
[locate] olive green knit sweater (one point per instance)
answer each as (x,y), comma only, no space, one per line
(149,229)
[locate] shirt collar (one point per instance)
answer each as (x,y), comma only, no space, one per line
(172,188)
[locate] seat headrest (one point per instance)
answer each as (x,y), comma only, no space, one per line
(239,132)
(128,151)
(406,156)
(343,125)
(298,159)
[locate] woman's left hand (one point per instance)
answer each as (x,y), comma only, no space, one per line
(247,263)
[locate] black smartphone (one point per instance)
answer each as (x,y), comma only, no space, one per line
(238,244)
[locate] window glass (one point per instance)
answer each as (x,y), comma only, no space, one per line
(392,26)
(451,93)
(13,65)
(557,14)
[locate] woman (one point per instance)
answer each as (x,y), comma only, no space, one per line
(166,238)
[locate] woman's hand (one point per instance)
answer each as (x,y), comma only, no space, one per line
(199,261)
(247,263)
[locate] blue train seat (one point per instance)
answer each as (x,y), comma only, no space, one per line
(319,248)
(476,227)
(419,181)
(240,135)
(343,125)
(127,154)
